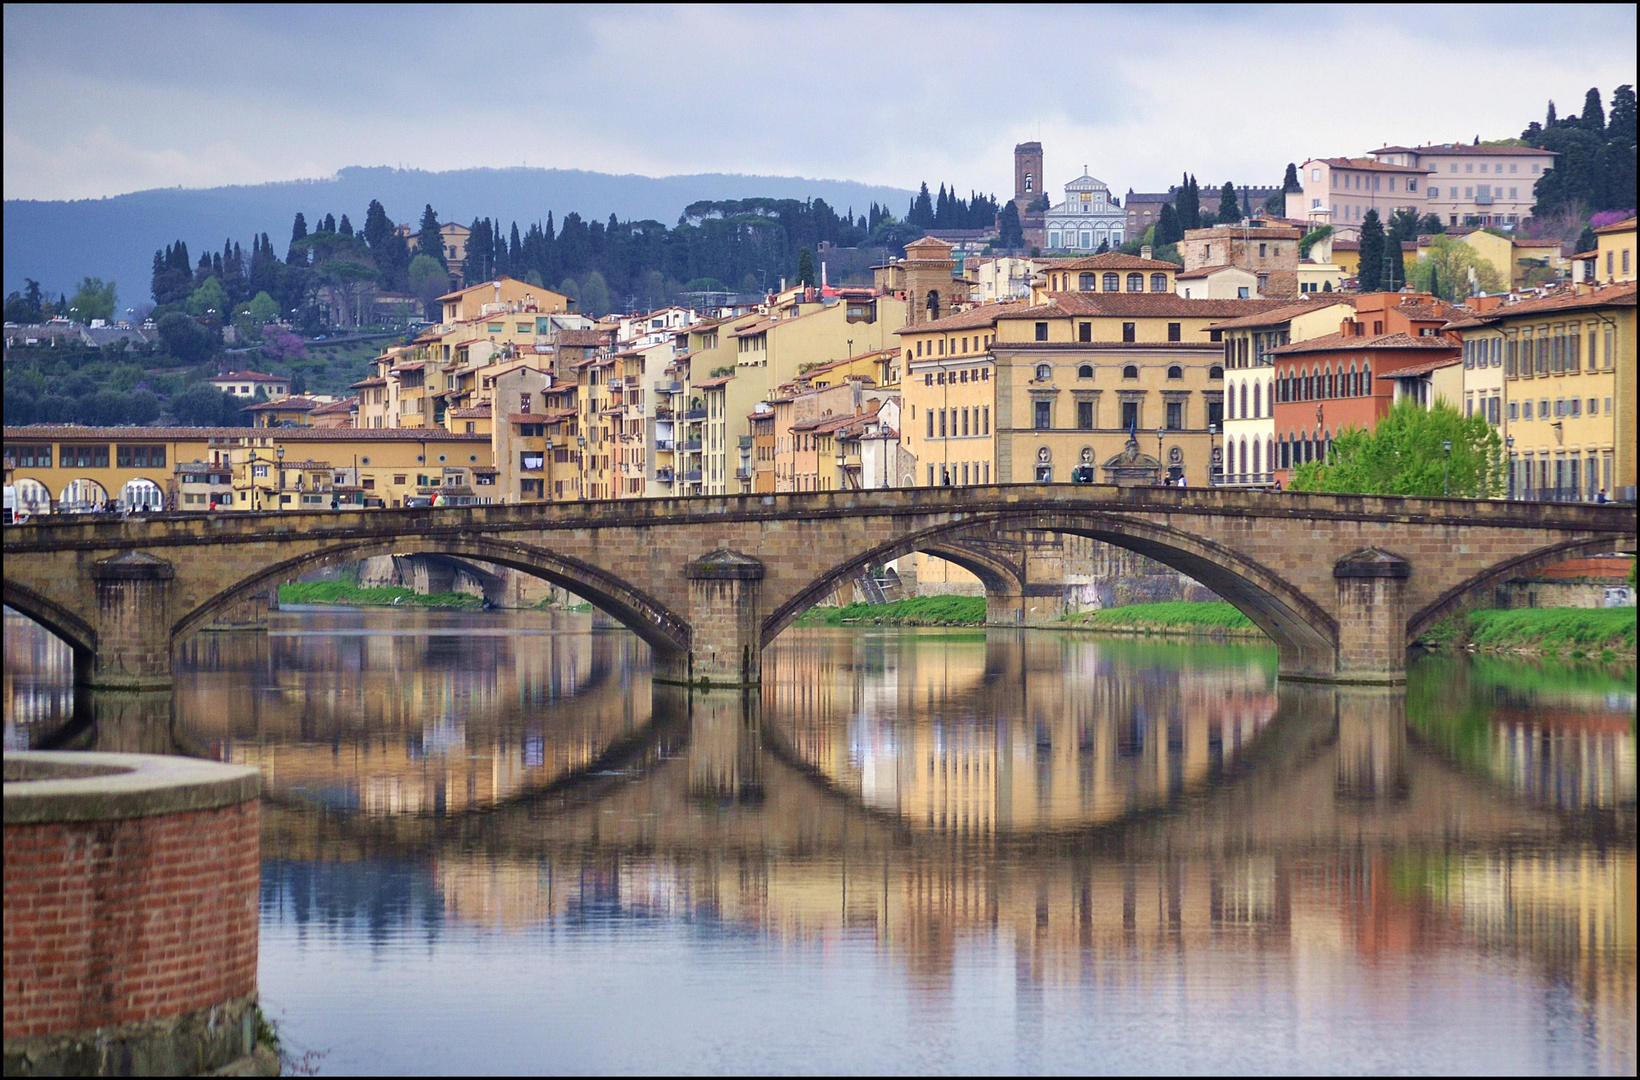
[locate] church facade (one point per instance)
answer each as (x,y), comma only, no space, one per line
(1090,217)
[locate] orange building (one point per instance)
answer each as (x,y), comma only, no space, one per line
(1391,349)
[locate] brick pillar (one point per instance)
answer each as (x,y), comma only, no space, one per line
(725,619)
(1372,617)
(1004,609)
(1044,588)
(133,623)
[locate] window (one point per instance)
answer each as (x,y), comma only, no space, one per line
(84,457)
(140,457)
(1113,282)
(1044,373)
(1130,332)
(1175,372)
(1434,193)
(1085,282)
(1130,371)
(1130,415)
(1043,420)
(1175,415)
(1084,332)
(1215,372)
(1174,331)
(930,415)
(985,419)
(1042,331)
(1084,415)
(1135,283)
(1085,371)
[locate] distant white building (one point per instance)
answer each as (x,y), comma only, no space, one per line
(1089,217)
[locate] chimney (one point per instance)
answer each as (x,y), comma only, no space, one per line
(822,273)
(1147,252)
(1346,328)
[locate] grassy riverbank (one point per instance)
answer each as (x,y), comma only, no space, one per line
(921,611)
(1213,619)
(348,594)
(1572,633)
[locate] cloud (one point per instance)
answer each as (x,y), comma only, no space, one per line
(200,96)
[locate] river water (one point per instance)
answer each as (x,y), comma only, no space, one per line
(492,845)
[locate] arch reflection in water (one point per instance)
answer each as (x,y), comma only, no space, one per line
(413,712)
(1013,732)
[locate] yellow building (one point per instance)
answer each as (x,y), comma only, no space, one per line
(1569,390)
(948,397)
(1614,252)
(504,296)
(1108,272)
(286,412)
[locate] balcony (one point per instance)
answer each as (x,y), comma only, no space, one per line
(668,386)
(743,474)
(1483,200)
(665,445)
(664,475)
(692,476)
(745,442)
(690,445)
(694,414)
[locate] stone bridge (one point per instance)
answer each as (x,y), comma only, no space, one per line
(1341,584)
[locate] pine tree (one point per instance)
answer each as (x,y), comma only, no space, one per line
(1167,226)
(1371,273)
(429,241)
(330,224)
(1009,232)
(805,267)
(922,209)
(1594,115)
(1229,209)
(297,256)
(1551,120)
(345,227)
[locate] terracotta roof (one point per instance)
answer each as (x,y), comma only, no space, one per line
(1111,260)
(346,405)
(248,376)
(1350,245)
(1368,165)
(1352,343)
(292,404)
(1285,313)
(1143,305)
(305,466)
(1208,271)
(584,339)
(1422,312)
(972,319)
(408,365)
(1609,296)
(826,423)
(297,434)
(1626,225)
(1462,148)
(474,412)
(1422,368)
(712,383)
(374,380)
(1267,232)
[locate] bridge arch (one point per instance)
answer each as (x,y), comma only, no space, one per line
(995,574)
(80,636)
(1460,595)
(1306,634)
(663,629)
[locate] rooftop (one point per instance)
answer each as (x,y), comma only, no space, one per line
(1357,343)
(297,434)
(1285,313)
(1143,305)
(1465,149)
(1111,260)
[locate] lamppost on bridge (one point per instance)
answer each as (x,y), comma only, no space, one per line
(1446,467)
(1510,443)
(1160,467)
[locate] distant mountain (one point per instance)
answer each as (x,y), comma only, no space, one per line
(58,243)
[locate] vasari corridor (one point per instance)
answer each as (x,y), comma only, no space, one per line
(827,540)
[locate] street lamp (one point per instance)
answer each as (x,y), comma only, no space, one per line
(1212,433)
(1159,466)
(1510,443)
(1446,467)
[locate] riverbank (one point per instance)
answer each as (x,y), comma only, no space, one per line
(1183,618)
(918,611)
(1568,633)
(347,594)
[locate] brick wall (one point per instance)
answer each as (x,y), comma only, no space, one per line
(113,922)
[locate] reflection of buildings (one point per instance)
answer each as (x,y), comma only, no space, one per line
(1048,731)
(38,681)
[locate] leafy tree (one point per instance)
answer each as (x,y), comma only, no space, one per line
(428,280)
(93,300)
(1430,225)
(1038,205)
(263,309)
(805,262)
(1312,238)
(1229,208)
(1454,271)
(203,405)
(1371,273)
(281,346)
(594,294)
(1404,455)
(209,297)
(25,307)
(1403,229)
(186,340)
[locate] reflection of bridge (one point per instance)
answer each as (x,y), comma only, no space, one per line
(1340,583)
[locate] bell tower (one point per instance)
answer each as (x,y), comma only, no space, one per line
(1027,174)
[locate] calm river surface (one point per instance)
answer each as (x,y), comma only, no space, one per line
(491,845)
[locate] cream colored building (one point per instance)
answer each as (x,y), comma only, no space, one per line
(1615,252)
(1474,185)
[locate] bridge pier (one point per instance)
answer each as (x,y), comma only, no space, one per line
(133,624)
(1372,616)
(725,620)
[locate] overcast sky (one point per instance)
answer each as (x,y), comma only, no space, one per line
(104,101)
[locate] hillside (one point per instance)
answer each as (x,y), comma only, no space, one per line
(58,243)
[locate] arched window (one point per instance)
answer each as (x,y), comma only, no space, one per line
(1113,283)
(1281,445)
(1258,399)
(1175,372)
(1085,371)
(1044,373)
(1366,380)
(1241,467)
(1131,371)
(1030,183)
(1215,372)
(1332,388)
(1258,465)
(1309,385)
(933,304)
(1136,283)
(1158,282)
(1084,282)
(1230,404)
(1244,400)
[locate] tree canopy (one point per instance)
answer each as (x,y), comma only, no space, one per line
(1453,270)
(1405,455)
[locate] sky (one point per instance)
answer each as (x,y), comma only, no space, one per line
(106,100)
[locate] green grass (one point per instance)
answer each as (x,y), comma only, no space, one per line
(345,592)
(921,611)
(1175,615)
(1554,629)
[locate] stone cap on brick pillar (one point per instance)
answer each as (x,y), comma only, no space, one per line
(724,565)
(73,785)
(132,566)
(1372,562)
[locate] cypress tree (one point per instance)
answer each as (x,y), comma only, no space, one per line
(1167,226)
(1229,209)
(296,256)
(429,241)
(805,267)
(1290,181)
(345,227)
(1594,114)
(1371,273)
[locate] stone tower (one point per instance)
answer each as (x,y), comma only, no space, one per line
(1027,174)
(930,287)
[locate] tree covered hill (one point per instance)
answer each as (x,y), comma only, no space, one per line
(60,243)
